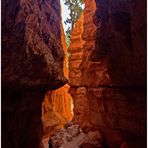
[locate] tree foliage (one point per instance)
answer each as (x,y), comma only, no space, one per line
(68,33)
(75,8)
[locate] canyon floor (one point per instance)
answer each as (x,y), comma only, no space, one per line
(74,137)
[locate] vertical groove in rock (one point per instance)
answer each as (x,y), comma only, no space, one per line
(82,41)
(76,54)
(59,100)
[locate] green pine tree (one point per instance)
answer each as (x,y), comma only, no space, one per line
(75,7)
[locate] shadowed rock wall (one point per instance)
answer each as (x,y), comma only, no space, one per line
(32,63)
(113,71)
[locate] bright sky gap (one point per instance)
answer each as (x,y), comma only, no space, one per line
(65,14)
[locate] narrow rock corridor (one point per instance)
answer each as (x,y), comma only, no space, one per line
(57,107)
(91,94)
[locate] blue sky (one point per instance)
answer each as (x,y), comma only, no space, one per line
(65,14)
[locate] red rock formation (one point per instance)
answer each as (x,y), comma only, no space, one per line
(76,54)
(113,71)
(121,44)
(53,116)
(32,63)
(35,35)
(57,105)
(107,70)
(83,36)
(62,101)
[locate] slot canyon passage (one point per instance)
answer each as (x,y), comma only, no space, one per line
(105,80)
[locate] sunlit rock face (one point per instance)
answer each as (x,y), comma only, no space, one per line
(113,71)
(32,63)
(76,53)
(56,111)
(57,105)
(75,58)
(63,102)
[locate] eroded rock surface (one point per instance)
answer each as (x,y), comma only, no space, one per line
(57,105)
(74,137)
(56,110)
(32,63)
(113,71)
(76,54)
(32,39)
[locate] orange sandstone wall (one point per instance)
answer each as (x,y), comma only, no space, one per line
(75,58)
(61,97)
(57,105)
(76,53)
(82,41)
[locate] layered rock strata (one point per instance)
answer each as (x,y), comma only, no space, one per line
(56,111)
(75,58)
(32,63)
(62,100)
(83,36)
(57,105)
(113,71)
